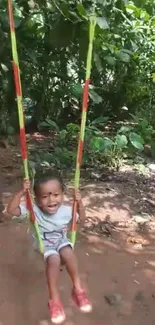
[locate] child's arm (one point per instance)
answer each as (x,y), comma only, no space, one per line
(13,207)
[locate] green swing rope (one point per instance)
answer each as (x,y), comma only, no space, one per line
(83,121)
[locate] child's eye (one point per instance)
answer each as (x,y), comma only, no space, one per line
(44,197)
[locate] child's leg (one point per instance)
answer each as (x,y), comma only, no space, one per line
(79,295)
(52,273)
(69,259)
(56,310)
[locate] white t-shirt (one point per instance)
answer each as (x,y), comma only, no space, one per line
(52,227)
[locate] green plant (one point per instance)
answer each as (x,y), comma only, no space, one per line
(98,149)
(73,129)
(143,127)
(134,140)
(48,124)
(112,151)
(69,135)
(109,151)
(52,58)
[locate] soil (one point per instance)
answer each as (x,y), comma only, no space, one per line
(115,252)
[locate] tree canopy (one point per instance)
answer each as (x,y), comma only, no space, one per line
(52,40)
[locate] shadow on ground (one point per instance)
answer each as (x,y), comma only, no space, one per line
(109,263)
(107,267)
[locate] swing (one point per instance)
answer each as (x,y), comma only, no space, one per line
(18,87)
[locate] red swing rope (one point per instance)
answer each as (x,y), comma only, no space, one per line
(19,97)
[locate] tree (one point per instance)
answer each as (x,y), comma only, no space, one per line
(52,38)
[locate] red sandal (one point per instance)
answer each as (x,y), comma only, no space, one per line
(57,313)
(81,300)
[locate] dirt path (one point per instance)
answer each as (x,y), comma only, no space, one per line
(119,261)
(106,268)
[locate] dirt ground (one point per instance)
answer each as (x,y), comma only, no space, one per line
(115,251)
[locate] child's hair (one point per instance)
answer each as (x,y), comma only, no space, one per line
(41,178)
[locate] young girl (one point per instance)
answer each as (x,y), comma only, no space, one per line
(53,218)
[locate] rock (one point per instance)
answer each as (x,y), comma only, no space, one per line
(4,143)
(138,241)
(138,246)
(96,176)
(152,167)
(142,218)
(139,296)
(113,299)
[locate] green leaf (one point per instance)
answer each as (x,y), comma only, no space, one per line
(75,15)
(10,130)
(135,118)
(121,141)
(96,143)
(32,55)
(95,97)
(17,22)
(102,22)
(101,144)
(136,140)
(100,120)
(92,130)
(110,60)
(153,77)
(125,129)
(127,51)
(81,9)
(107,143)
(43,125)
(98,62)
(48,124)
(73,128)
(58,151)
(122,56)
(62,135)
(131,8)
(77,90)
(144,124)
(52,124)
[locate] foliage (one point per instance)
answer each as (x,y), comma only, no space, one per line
(144,127)
(52,40)
(48,124)
(99,149)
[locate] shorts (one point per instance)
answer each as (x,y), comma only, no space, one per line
(54,249)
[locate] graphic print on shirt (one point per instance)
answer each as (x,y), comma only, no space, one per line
(55,236)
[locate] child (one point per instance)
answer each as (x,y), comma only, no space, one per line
(53,218)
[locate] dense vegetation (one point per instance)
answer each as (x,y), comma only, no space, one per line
(52,44)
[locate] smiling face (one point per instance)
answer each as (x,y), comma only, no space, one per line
(49,196)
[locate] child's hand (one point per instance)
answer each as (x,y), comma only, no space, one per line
(78,197)
(26,185)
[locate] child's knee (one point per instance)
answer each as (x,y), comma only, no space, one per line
(67,253)
(53,260)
